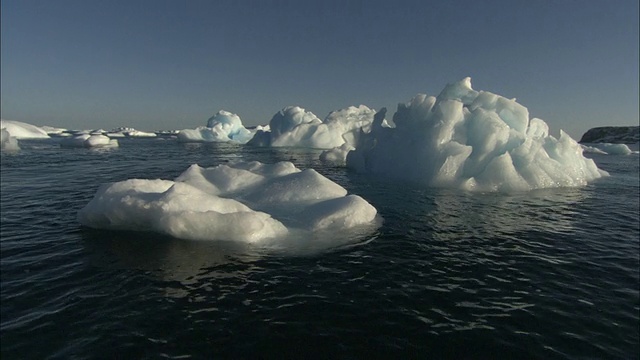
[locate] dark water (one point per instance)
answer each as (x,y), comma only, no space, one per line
(546,274)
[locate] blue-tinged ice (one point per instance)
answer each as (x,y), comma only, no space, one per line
(472,140)
(222,127)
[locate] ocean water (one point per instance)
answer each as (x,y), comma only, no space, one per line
(545,274)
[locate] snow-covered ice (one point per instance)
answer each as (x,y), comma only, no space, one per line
(472,140)
(222,127)
(21,130)
(88,141)
(293,126)
(244,201)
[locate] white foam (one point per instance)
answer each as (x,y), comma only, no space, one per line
(245,201)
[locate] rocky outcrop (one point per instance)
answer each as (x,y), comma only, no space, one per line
(612,134)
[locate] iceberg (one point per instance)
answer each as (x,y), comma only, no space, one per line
(8,142)
(139,134)
(222,127)
(293,126)
(21,130)
(471,140)
(248,202)
(607,149)
(88,141)
(54,131)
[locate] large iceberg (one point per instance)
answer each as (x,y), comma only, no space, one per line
(222,127)
(244,201)
(21,130)
(293,126)
(472,140)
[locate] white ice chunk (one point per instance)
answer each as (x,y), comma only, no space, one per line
(88,141)
(8,142)
(244,201)
(222,127)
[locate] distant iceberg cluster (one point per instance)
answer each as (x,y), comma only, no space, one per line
(472,140)
(463,138)
(244,201)
(293,126)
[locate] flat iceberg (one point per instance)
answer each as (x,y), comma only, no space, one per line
(21,130)
(471,140)
(294,126)
(88,141)
(222,127)
(243,201)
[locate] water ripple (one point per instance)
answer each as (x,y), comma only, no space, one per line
(547,274)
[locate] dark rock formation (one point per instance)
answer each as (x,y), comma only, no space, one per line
(612,134)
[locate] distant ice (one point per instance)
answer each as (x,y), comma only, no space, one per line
(21,130)
(337,155)
(607,148)
(244,201)
(8,142)
(88,141)
(222,127)
(54,131)
(472,140)
(140,133)
(293,126)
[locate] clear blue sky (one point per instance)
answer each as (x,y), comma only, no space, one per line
(157,64)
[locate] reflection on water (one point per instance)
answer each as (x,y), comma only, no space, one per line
(195,264)
(170,259)
(496,215)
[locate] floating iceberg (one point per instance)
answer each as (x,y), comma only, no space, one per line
(222,127)
(245,201)
(54,131)
(472,140)
(20,130)
(607,148)
(140,134)
(88,141)
(8,142)
(293,126)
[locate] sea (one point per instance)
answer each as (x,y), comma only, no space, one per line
(547,274)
